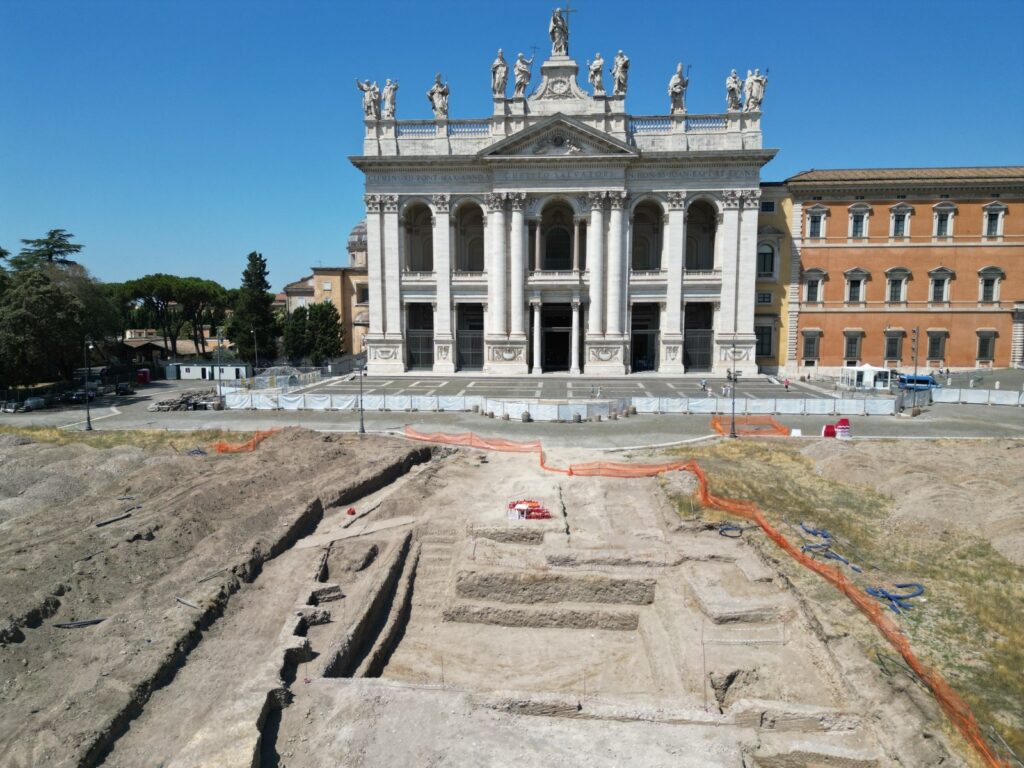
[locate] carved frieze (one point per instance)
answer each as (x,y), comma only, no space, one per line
(508,354)
(389,353)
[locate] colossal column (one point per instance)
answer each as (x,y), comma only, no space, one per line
(574,359)
(519,242)
(497,268)
(735,321)
(595,263)
(373,265)
(392,272)
(537,368)
(444,357)
(616,264)
(675,254)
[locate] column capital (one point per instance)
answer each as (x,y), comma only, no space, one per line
(596,199)
(617,199)
(442,203)
(751,198)
(536,302)
(495,201)
(676,201)
(731,199)
(576,303)
(390,203)
(372,203)
(517,200)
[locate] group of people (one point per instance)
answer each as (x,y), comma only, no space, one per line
(745,95)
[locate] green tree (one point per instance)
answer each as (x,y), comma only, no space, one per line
(100,318)
(325,332)
(296,336)
(55,248)
(253,327)
(41,328)
(198,298)
(160,294)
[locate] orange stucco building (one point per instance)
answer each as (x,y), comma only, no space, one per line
(883,252)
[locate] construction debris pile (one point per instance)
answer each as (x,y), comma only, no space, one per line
(190,400)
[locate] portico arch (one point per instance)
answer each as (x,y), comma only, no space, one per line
(555,236)
(647,230)
(419,237)
(701,231)
(469,236)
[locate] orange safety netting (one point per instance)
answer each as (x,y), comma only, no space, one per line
(764,426)
(247,446)
(952,704)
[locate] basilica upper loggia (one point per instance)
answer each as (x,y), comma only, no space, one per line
(562,233)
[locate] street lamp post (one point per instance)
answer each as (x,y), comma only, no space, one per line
(732,390)
(86,346)
(362,372)
(255,353)
(220,361)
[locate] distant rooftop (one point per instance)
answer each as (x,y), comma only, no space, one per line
(993,173)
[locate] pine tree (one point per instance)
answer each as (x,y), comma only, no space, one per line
(253,327)
(325,331)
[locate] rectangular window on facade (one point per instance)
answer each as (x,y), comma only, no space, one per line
(765,261)
(938,291)
(855,291)
(893,347)
(991,224)
(767,206)
(362,295)
(764,298)
(814,227)
(326,286)
(813,291)
(988,289)
(899,225)
(851,349)
(942,225)
(936,346)
(763,333)
(986,347)
(811,346)
(857,225)
(895,291)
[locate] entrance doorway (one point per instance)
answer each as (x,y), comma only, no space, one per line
(556,337)
(698,336)
(644,338)
(419,336)
(469,337)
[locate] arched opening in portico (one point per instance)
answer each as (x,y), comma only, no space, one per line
(469,238)
(647,232)
(419,238)
(556,239)
(701,229)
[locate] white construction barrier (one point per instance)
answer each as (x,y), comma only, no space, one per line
(974,396)
(645,404)
(876,406)
(424,403)
(263,402)
(291,402)
(675,404)
(346,402)
(566,412)
(760,406)
(1003,397)
(544,412)
(373,402)
(451,403)
(398,402)
(821,407)
(848,407)
(695,404)
(238,401)
(946,395)
(789,406)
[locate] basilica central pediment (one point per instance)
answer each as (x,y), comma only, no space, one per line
(558,136)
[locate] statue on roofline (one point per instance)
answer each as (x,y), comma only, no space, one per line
(522,73)
(595,74)
(677,91)
(558,30)
(499,75)
(438,98)
(733,89)
(620,74)
(754,90)
(371,98)
(388,98)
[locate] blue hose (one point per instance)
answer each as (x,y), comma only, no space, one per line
(898,603)
(819,532)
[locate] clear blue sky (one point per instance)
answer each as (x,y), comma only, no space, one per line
(178,135)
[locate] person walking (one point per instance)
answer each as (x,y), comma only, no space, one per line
(786,384)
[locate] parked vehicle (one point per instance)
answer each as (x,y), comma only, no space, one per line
(34,403)
(11,406)
(82,396)
(124,389)
(920,383)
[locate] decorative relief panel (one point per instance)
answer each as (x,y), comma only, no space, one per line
(442,351)
(508,354)
(604,354)
(671,353)
(379,352)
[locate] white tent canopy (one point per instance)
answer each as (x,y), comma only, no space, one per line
(865,377)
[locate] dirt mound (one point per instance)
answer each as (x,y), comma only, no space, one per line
(935,486)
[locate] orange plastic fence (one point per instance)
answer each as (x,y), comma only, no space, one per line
(764,426)
(247,446)
(952,704)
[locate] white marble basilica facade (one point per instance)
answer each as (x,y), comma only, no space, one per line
(562,234)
